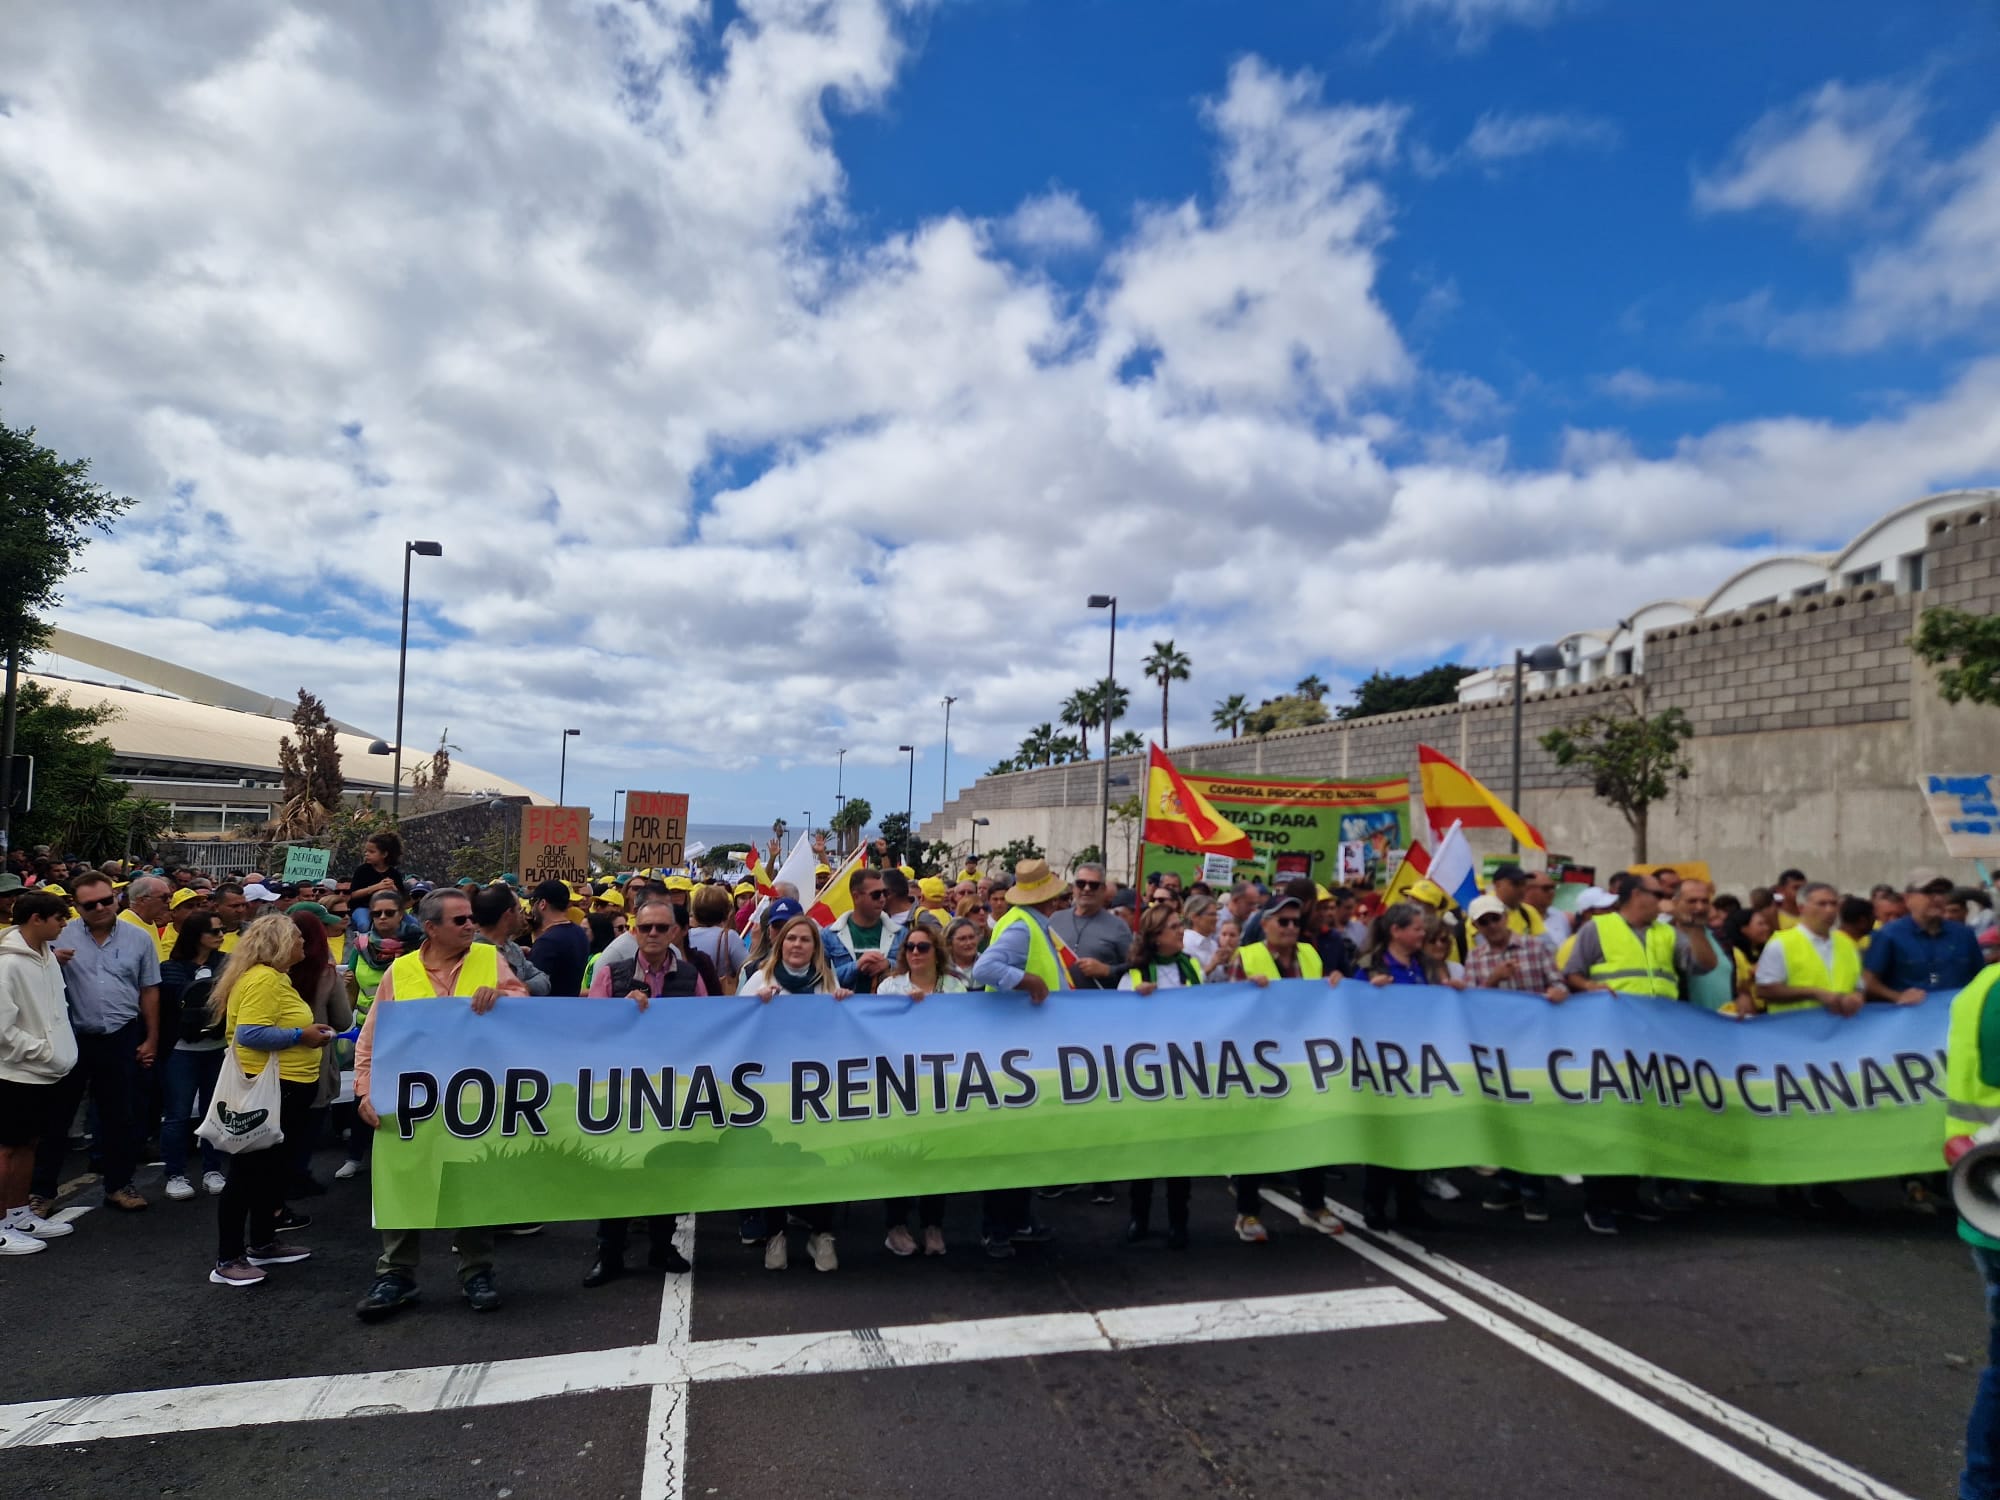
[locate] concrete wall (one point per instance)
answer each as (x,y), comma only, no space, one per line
(1813,722)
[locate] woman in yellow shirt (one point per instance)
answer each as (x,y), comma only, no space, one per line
(269,1025)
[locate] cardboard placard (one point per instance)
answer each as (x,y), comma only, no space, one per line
(303,862)
(655,830)
(1966,813)
(1218,869)
(555,845)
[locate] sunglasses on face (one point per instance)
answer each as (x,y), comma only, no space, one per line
(95,905)
(1088,885)
(918,948)
(654,927)
(214,932)
(1281,921)
(464,919)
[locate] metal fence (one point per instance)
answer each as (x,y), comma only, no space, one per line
(214,857)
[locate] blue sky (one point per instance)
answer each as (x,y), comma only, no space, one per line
(824,372)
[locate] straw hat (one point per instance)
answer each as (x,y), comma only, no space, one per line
(1034,883)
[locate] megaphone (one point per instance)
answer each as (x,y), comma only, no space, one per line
(1975,1182)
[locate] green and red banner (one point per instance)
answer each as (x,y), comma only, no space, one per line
(1334,832)
(581,1108)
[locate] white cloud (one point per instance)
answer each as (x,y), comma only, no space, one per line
(1501,137)
(1638,388)
(1054,221)
(530,281)
(1828,153)
(1473,22)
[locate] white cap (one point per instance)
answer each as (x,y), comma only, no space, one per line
(1595,898)
(259,893)
(1488,905)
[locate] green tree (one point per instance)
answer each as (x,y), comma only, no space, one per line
(74,795)
(1311,687)
(1089,854)
(1965,648)
(1633,761)
(1232,713)
(1292,712)
(894,834)
(1038,748)
(721,856)
(1079,712)
(1128,742)
(1005,767)
(1393,693)
(1014,851)
(849,822)
(48,508)
(1166,666)
(485,857)
(1126,818)
(933,859)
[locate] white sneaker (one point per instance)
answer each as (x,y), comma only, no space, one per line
(212,1183)
(1250,1229)
(41,1228)
(820,1247)
(1441,1188)
(777,1255)
(179,1189)
(346,1170)
(900,1241)
(14,1242)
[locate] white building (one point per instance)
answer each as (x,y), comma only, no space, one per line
(1891,551)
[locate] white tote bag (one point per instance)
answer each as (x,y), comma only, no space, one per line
(243,1116)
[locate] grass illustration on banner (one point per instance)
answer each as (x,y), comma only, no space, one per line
(1179,817)
(1453,795)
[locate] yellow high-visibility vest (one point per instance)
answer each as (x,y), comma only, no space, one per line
(410,980)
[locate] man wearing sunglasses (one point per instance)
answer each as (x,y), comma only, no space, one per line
(447,962)
(112,971)
(1100,939)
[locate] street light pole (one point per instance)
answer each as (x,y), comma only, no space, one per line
(410,549)
(910,810)
(944,779)
(562,774)
(617,830)
(977,824)
(1542,659)
(1110,601)
(840,782)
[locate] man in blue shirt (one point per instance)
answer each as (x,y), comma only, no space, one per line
(1916,954)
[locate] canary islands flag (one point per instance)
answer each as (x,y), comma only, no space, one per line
(1179,817)
(1453,795)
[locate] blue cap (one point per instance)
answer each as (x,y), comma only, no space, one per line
(783,910)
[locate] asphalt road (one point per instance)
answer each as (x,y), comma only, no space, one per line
(1830,1359)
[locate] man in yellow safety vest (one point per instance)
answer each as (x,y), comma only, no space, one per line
(447,962)
(1972,1102)
(1813,963)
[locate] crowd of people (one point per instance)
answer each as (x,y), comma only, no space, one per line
(125,991)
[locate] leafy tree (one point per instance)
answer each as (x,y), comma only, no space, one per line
(933,859)
(1128,742)
(894,833)
(430,776)
(1014,851)
(1079,711)
(1294,712)
(310,766)
(1038,749)
(1109,700)
(1311,687)
(1166,666)
(1067,748)
(721,856)
(1633,761)
(1965,648)
(485,857)
(1232,713)
(352,824)
(1089,854)
(1392,693)
(1002,767)
(849,822)
(74,794)
(1126,817)
(47,510)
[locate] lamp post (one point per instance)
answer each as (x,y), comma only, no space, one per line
(807,835)
(977,824)
(910,809)
(944,778)
(840,782)
(410,549)
(617,831)
(1541,659)
(1110,602)
(562,773)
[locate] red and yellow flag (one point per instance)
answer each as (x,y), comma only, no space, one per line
(1454,795)
(1179,817)
(835,900)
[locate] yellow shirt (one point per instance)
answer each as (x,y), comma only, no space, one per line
(336,944)
(163,937)
(265,997)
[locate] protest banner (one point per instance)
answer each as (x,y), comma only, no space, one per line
(1299,827)
(303,862)
(555,845)
(1966,814)
(655,830)
(580,1108)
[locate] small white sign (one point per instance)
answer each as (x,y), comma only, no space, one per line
(1217,869)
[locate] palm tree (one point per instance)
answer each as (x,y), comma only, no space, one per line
(1166,666)
(1128,742)
(1109,701)
(1002,767)
(1079,711)
(1311,687)
(1231,714)
(1066,748)
(1038,749)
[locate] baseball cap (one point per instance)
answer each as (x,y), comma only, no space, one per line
(1279,902)
(9,883)
(329,884)
(680,883)
(1509,871)
(466,882)
(1486,906)
(744,888)
(1929,881)
(783,910)
(258,891)
(554,892)
(822,869)
(507,877)
(609,898)
(1595,898)
(932,887)
(1125,900)
(314,909)
(179,898)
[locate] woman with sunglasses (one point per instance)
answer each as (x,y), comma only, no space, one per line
(196,1060)
(1160,962)
(391,932)
(921,969)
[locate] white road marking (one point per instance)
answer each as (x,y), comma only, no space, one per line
(1751,1471)
(665,1474)
(674,1366)
(1822,1466)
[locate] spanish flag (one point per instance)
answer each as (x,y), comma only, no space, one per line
(754,868)
(1179,817)
(1452,795)
(1415,866)
(836,900)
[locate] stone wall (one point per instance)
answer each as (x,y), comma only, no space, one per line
(1813,721)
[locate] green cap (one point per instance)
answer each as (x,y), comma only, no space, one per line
(314,909)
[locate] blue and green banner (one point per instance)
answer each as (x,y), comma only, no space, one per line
(581,1108)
